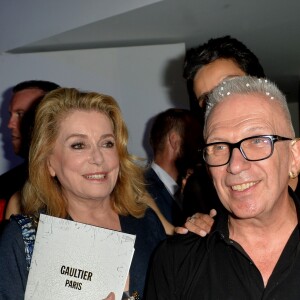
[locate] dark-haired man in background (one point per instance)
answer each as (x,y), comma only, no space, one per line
(25,95)
(174,139)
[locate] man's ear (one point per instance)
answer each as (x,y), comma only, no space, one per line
(295,164)
(175,141)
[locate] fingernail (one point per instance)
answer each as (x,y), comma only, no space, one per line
(202,233)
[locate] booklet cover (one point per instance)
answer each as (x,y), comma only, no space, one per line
(78,261)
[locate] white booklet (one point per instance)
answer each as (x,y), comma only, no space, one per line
(77,261)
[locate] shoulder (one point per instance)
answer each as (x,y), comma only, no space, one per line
(11,237)
(154,185)
(16,175)
(148,225)
(182,247)
(19,171)
(10,226)
(14,267)
(149,173)
(17,224)
(151,219)
(176,258)
(184,241)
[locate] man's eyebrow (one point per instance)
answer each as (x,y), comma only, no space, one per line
(19,110)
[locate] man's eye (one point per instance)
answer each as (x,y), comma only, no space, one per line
(77,146)
(20,114)
(220,147)
(259,141)
(109,144)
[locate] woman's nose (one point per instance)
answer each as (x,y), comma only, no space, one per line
(96,156)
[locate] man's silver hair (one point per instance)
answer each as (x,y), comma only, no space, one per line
(246,85)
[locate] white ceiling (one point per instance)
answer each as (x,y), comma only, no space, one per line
(271,28)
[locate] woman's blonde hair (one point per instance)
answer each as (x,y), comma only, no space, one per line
(42,192)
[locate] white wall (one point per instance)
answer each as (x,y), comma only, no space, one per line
(144,80)
(25,22)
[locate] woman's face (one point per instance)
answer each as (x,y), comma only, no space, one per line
(85,158)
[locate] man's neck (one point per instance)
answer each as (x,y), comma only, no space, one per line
(282,219)
(264,240)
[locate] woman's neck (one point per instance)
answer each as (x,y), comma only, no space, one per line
(99,213)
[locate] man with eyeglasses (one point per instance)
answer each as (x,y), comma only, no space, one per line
(253,251)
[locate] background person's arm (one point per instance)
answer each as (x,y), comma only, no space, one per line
(169,228)
(198,223)
(13,206)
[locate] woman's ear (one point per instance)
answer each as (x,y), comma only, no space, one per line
(50,168)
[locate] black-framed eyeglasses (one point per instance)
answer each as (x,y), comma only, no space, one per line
(253,148)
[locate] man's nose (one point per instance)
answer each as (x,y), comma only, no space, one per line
(12,123)
(237,162)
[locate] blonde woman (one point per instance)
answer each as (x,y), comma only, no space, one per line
(80,169)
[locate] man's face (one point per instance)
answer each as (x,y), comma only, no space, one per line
(250,189)
(19,105)
(209,76)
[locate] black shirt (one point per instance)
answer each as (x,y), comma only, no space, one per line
(215,267)
(13,181)
(199,194)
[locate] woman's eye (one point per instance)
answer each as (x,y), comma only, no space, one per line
(77,146)
(109,144)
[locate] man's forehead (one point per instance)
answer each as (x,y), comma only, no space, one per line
(210,75)
(28,92)
(22,100)
(244,104)
(239,111)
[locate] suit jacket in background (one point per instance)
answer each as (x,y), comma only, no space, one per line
(168,206)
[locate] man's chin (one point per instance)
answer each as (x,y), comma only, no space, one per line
(16,147)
